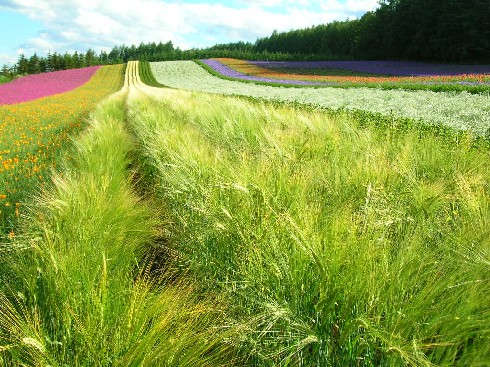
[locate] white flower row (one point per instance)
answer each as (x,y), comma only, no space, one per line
(462,111)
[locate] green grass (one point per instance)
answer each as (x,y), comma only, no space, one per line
(75,289)
(190,229)
(146,75)
(334,243)
(4,79)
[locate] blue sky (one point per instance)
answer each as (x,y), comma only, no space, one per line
(28,26)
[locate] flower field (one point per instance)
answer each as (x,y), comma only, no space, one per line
(388,75)
(33,135)
(35,86)
(241,70)
(462,111)
(393,68)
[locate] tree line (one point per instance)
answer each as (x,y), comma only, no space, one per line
(122,54)
(419,30)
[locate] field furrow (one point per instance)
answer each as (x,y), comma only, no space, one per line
(184,228)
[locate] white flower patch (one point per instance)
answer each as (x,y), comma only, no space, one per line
(462,111)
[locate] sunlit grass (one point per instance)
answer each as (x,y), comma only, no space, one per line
(342,244)
(261,235)
(76,290)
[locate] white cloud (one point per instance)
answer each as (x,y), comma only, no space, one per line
(275,3)
(361,5)
(80,24)
(7,59)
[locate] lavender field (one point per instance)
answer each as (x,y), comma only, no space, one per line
(231,73)
(347,74)
(392,68)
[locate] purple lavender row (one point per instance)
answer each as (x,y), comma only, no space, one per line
(395,68)
(231,73)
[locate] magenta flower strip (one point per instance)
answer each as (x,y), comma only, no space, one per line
(37,86)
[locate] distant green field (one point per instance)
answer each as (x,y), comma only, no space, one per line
(3,79)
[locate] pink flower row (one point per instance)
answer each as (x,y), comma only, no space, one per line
(37,86)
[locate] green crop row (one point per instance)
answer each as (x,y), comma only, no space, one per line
(146,75)
(333,242)
(78,286)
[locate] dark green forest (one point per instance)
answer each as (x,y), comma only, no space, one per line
(416,30)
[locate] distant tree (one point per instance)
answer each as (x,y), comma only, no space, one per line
(67,60)
(103,58)
(130,53)
(58,62)
(77,60)
(22,65)
(42,65)
(33,65)
(168,47)
(7,72)
(90,58)
(49,62)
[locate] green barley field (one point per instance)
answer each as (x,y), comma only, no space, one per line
(187,228)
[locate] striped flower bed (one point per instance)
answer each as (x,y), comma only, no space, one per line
(34,134)
(394,68)
(361,72)
(228,68)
